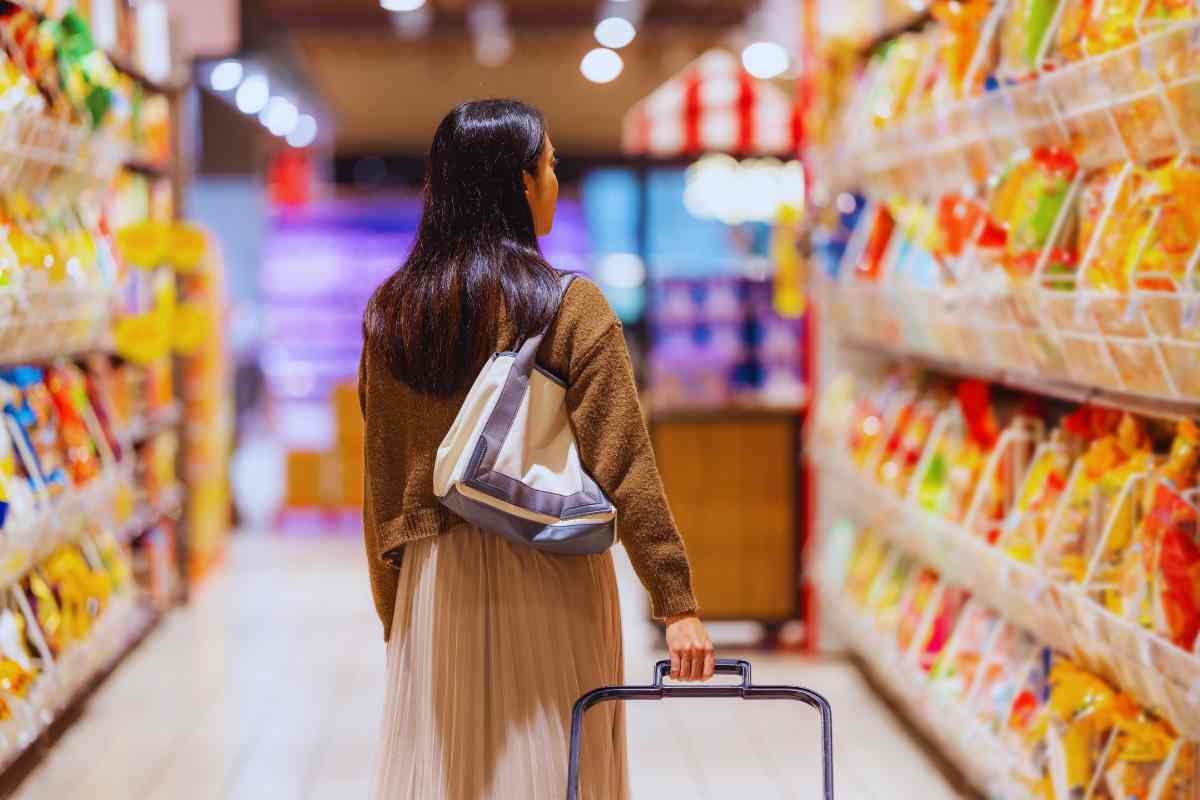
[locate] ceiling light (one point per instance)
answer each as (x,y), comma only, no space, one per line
(226,76)
(615,32)
(253,94)
(305,132)
(601,65)
(765,59)
(280,116)
(401,5)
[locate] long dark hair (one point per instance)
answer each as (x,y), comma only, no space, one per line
(476,256)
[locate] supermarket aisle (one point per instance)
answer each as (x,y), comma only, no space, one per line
(268,686)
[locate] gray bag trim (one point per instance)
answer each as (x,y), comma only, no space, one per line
(480,472)
(585,538)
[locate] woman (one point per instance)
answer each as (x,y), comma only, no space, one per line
(489,643)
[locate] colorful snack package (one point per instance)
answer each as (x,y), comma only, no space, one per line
(950,604)
(1082,716)
(1106,466)
(1167,210)
(1172,547)
(1001,675)
(900,461)
(1027,29)
(1042,487)
(955,668)
(925,589)
(879,235)
(868,560)
(46,610)
(1131,578)
(962,29)
(28,404)
(68,389)
(1136,756)
(953,472)
(888,594)
(1113,227)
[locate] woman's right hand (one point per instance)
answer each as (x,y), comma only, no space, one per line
(691,650)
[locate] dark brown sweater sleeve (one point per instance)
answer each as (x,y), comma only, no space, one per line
(615,448)
(384,577)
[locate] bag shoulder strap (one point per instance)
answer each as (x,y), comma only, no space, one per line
(527,353)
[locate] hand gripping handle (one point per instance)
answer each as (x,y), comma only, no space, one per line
(659,689)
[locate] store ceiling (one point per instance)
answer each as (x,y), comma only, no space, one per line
(387,94)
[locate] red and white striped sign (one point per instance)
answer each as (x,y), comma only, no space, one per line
(713,106)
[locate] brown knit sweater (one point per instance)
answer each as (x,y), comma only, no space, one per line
(403,430)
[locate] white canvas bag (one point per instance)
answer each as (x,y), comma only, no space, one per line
(510,462)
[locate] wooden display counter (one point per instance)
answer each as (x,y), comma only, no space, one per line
(732,479)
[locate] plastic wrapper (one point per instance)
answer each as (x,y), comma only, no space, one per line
(1104,469)
(955,668)
(68,388)
(868,560)
(28,404)
(1041,489)
(1133,583)
(1028,29)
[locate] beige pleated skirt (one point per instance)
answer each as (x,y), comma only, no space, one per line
(491,645)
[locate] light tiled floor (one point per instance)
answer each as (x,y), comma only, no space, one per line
(269,686)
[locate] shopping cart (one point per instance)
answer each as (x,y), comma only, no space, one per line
(658,690)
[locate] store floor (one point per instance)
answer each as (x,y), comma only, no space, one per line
(269,686)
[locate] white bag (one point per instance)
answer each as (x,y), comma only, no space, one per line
(510,462)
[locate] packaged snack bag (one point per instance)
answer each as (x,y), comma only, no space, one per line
(1113,243)
(1041,490)
(889,593)
(1003,672)
(879,235)
(953,472)
(950,604)
(955,668)
(925,590)
(1027,27)
(870,556)
(1133,578)
(68,389)
(1106,466)
(28,404)
(46,610)
(1167,210)
(909,440)
(962,28)
(1082,716)
(1136,756)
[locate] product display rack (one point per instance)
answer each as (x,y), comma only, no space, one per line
(1022,233)
(88,490)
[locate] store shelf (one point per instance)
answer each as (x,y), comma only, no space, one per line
(147,168)
(75,673)
(145,428)
(970,746)
(1152,670)
(38,324)
(37,148)
(1016,338)
(146,517)
(126,65)
(1092,99)
(1147,406)
(29,540)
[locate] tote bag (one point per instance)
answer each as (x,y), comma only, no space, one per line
(510,463)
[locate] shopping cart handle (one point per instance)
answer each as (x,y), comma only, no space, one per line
(724,666)
(659,690)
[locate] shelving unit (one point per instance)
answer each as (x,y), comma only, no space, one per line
(943,275)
